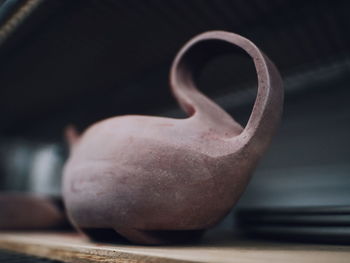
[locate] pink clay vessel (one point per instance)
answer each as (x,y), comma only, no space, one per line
(156,180)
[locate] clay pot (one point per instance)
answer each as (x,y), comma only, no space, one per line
(154,180)
(24,211)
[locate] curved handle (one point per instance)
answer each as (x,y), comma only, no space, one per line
(268,104)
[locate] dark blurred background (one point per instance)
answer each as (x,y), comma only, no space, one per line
(75,62)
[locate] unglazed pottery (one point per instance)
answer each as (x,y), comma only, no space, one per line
(155,180)
(24,211)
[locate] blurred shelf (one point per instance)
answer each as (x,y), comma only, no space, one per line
(215,247)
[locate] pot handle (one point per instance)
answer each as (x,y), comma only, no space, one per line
(267,108)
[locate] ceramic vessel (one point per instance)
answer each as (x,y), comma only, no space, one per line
(25,211)
(155,180)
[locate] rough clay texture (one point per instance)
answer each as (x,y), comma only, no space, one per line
(156,180)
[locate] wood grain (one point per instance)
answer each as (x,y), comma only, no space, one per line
(217,247)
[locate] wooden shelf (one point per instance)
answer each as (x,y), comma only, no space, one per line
(215,247)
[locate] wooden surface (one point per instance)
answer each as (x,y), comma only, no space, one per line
(217,247)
